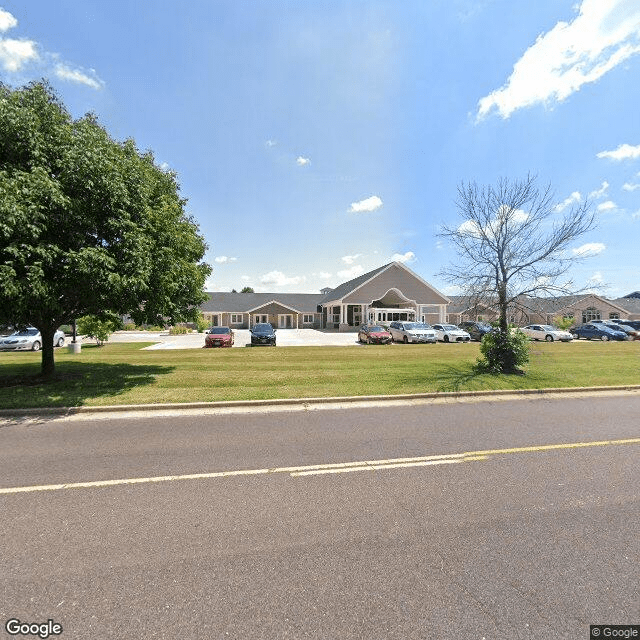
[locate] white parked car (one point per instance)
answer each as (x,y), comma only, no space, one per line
(28,339)
(546,332)
(451,333)
(411,332)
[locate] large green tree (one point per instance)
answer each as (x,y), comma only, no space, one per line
(88,225)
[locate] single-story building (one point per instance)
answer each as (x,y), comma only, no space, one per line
(391,292)
(582,308)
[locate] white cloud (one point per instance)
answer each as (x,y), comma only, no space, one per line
(599,193)
(368,204)
(589,249)
(595,283)
(7,21)
(350,259)
(627,186)
(324,275)
(245,278)
(574,197)
(279,279)
(407,257)
(623,152)
(64,72)
(452,290)
(270,143)
(603,35)
(224,259)
(470,228)
(609,205)
(14,54)
(301,162)
(354,272)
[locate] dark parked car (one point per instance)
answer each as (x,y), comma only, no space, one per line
(374,334)
(219,337)
(476,329)
(263,334)
(598,331)
(632,334)
(634,324)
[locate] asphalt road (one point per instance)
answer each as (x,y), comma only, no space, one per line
(441,520)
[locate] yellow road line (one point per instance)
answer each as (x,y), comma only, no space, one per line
(330,468)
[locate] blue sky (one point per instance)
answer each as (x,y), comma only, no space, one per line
(318,140)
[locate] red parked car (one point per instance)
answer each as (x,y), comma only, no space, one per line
(219,337)
(374,335)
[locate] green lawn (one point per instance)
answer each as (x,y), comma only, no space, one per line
(124,374)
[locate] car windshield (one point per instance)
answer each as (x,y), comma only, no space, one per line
(376,329)
(27,332)
(548,327)
(220,330)
(450,327)
(416,325)
(262,328)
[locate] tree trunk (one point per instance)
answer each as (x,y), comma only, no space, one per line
(48,362)
(503,306)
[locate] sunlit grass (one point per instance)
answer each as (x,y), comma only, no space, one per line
(125,374)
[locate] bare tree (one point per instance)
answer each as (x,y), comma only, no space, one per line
(513,244)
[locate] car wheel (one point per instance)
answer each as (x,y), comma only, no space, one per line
(61,342)
(446,338)
(549,338)
(604,338)
(35,346)
(406,340)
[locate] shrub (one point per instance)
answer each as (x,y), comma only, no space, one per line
(564,323)
(503,353)
(201,323)
(94,327)
(129,326)
(176,331)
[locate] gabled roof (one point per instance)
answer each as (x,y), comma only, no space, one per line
(347,287)
(629,304)
(220,302)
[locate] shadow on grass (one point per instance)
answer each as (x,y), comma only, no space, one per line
(74,383)
(458,378)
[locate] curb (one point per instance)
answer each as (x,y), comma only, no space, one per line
(303,402)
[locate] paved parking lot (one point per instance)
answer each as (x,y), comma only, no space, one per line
(284,338)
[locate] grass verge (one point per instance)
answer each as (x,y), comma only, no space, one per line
(124,374)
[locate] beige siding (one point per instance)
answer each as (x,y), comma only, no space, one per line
(395,277)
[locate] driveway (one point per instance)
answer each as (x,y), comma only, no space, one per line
(285,338)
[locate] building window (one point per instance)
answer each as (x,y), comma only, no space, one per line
(614,316)
(307,318)
(590,314)
(236,318)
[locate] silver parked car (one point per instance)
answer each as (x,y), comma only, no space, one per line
(28,339)
(412,332)
(451,333)
(546,332)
